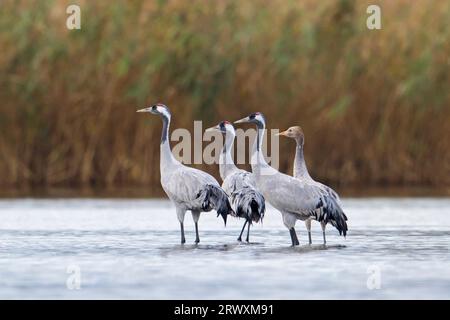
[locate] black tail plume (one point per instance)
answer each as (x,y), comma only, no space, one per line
(215,198)
(249,204)
(334,214)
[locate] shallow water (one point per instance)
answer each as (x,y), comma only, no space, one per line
(395,249)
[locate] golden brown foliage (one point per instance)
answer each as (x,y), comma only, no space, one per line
(374,105)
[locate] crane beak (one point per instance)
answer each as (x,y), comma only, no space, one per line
(212,129)
(144,110)
(284,133)
(243,120)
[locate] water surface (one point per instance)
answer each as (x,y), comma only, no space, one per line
(396,248)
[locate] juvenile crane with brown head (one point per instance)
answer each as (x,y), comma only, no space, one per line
(301,173)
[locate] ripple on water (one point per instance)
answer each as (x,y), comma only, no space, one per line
(129,250)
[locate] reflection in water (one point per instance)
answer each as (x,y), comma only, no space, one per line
(130,249)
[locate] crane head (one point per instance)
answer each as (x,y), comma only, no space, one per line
(256,118)
(159,109)
(223,127)
(295,133)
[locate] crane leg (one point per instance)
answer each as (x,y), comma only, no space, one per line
(308,227)
(294,237)
(323,232)
(197,237)
(196,216)
(180,214)
(242,231)
(183,239)
(248,232)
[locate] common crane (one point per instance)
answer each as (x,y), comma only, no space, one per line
(301,173)
(188,188)
(295,199)
(247,202)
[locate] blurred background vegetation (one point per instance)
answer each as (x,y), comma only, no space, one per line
(374,105)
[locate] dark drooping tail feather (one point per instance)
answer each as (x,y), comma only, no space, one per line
(249,204)
(333,213)
(213,197)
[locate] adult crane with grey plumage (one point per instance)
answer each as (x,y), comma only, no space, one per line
(295,199)
(188,188)
(246,201)
(301,173)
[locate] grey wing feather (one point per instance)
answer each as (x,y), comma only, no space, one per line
(247,202)
(331,193)
(195,190)
(305,200)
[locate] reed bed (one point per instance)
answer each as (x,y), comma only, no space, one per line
(374,105)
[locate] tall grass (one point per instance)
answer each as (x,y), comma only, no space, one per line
(374,105)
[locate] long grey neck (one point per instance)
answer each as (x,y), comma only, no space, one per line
(165,129)
(257,157)
(166,156)
(300,169)
(226,163)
